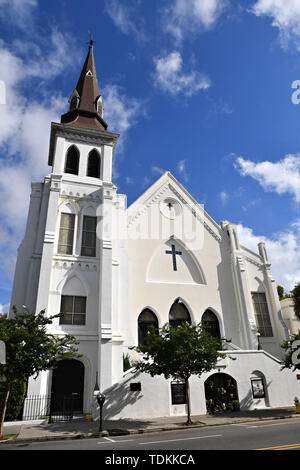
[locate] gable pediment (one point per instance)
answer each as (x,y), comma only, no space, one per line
(162,192)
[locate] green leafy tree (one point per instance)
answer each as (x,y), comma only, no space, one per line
(296,298)
(30,348)
(179,353)
(126,362)
(280,291)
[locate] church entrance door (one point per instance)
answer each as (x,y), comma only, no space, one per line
(221,393)
(68,383)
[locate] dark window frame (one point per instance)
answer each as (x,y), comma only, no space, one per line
(66,248)
(262,314)
(212,326)
(94,164)
(88,250)
(186,318)
(68,319)
(72,160)
(144,326)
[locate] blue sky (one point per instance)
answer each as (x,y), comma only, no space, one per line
(202,88)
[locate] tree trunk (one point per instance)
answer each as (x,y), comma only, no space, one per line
(187,386)
(4,409)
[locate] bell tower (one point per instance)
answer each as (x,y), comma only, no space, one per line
(69,260)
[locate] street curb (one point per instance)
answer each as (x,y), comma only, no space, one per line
(123,432)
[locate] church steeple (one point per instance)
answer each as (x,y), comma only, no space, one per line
(86,106)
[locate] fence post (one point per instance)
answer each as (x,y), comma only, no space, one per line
(50,409)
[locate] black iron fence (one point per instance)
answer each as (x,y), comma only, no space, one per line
(54,408)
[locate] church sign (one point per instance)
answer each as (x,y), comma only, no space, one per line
(178,392)
(258,389)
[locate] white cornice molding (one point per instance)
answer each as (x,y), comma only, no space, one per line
(79,134)
(157,194)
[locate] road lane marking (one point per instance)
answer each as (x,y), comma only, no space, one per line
(115,442)
(282,447)
(108,439)
(183,439)
(276,424)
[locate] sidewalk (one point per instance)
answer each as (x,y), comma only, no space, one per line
(80,428)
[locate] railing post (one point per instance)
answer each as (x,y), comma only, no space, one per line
(50,409)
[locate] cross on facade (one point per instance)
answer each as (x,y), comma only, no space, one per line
(174,253)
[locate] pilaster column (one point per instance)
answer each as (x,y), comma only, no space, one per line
(272,294)
(244,303)
(104,232)
(48,245)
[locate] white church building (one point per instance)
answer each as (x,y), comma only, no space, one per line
(116,270)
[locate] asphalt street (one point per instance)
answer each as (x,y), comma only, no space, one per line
(261,435)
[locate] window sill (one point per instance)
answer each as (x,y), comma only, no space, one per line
(74,257)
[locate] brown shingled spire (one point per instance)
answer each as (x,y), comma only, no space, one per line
(85,110)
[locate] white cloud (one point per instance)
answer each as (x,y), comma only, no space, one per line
(4,308)
(281,177)
(18,12)
(182,17)
(129,180)
(24,128)
(169,76)
(285,15)
(282,249)
(122,15)
(224,196)
(145,181)
(156,170)
(250,204)
(121,113)
(181,168)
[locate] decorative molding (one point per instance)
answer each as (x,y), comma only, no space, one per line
(49,237)
(66,194)
(158,196)
(107,244)
(240,263)
(253,262)
(194,212)
(86,139)
(81,265)
(55,183)
(106,331)
(117,337)
(147,204)
(107,194)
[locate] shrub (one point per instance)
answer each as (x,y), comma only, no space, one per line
(15,400)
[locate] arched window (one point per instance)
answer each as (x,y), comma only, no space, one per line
(146,319)
(178,314)
(211,322)
(72,161)
(93,168)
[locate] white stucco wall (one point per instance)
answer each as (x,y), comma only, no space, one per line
(154,399)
